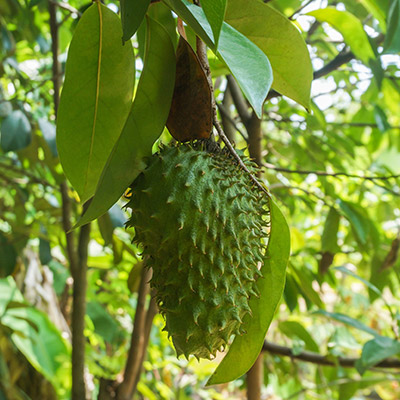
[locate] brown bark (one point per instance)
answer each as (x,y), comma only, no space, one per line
(254,379)
(77,256)
(135,355)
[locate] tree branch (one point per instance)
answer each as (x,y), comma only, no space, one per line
(151,313)
(78,315)
(318,359)
(228,121)
(239,100)
(65,6)
(332,174)
(133,364)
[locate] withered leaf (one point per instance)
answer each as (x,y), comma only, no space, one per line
(190,116)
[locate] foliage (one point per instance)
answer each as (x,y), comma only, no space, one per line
(330,161)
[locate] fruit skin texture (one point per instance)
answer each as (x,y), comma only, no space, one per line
(202,230)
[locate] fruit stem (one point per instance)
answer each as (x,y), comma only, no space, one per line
(202,55)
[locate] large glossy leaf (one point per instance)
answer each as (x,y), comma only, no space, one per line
(132,14)
(392,39)
(180,8)
(15,132)
(281,41)
(350,28)
(377,350)
(377,10)
(144,125)
(295,329)
(34,335)
(246,61)
(245,349)
(330,232)
(96,97)
(215,13)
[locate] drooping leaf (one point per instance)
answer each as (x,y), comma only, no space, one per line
(245,349)
(329,235)
(281,41)
(181,8)
(35,336)
(49,133)
(295,329)
(144,125)
(350,28)
(190,116)
(163,15)
(16,132)
(96,97)
(358,221)
(381,119)
(376,350)
(376,9)
(8,257)
(392,38)
(348,321)
(215,13)
(365,282)
(104,324)
(305,280)
(246,61)
(132,15)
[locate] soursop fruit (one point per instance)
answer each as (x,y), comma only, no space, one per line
(203,230)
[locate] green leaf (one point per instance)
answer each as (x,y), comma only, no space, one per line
(358,221)
(348,321)
(49,133)
(163,15)
(104,324)
(181,8)
(381,119)
(364,281)
(132,15)
(392,39)
(15,132)
(245,349)
(375,8)
(350,28)
(215,13)
(375,351)
(96,97)
(304,280)
(144,125)
(41,342)
(247,63)
(294,329)
(281,41)
(8,257)
(329,235)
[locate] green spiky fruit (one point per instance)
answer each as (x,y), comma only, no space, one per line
(201,226)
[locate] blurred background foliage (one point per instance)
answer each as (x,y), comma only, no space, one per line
(334,171)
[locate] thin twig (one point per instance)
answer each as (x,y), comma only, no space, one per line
(133,364)
(319,359)
(301,8)
(332,174)
(240,102)
(224,112)
(66,6)
(202,54)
